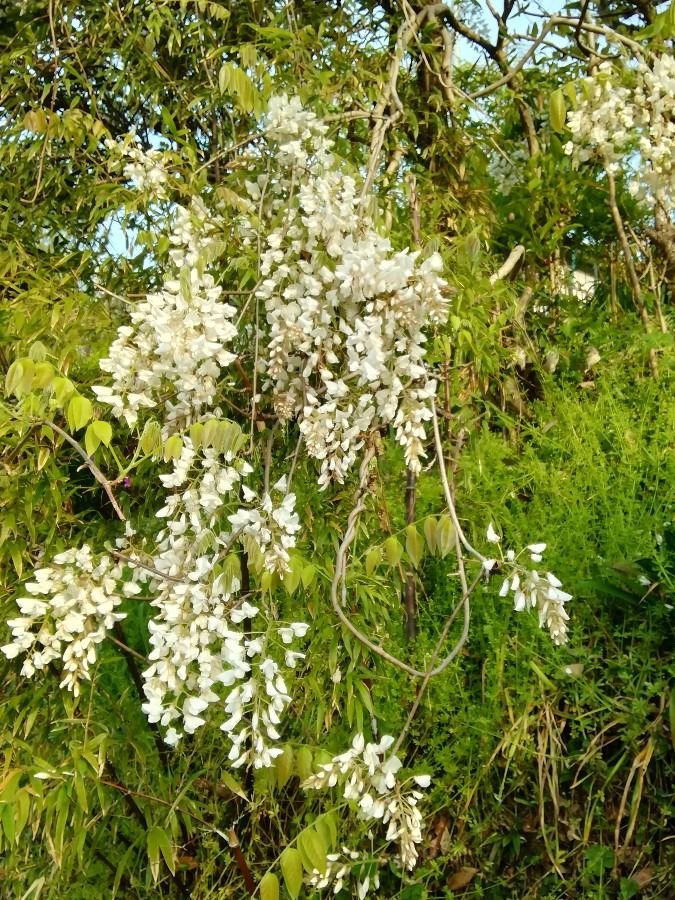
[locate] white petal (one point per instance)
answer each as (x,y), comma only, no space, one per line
(492,535)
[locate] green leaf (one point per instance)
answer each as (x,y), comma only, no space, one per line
(173,448)
(430,528)
(224,78)
(414,545)
(291,868)
(15,551)
(292,577)
(558,111)
(159,845)
(308,574)
(185,283)
(393,550)
(231,438)
(63,388)
(37,352)
(79,412)
(366,699)
(209,432)
(44,376)
(7,821)
(445,536)
(313,846)
(13,377)
(197,435)
(269,887)
(373,559)
(43,456)
(91,440)
(232,784)
(284,766)
(103,431)
(303,763)
(151,438)
(327,828)
(10,785)
(571,93)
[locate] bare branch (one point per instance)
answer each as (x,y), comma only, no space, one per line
(506,268)
(512,72)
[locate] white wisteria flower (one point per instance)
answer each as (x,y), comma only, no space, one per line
(626,116)
(348,866)
(533,591)
(80,606)
(347,313)
(367,776)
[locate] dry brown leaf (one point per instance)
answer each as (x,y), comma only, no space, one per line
(446,843)
(462,878)
(643,877)
(440,829)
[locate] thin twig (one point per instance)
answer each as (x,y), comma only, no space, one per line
(630,265)
(512,72)
(294,463)
(268,459)
(55,52)
(136,562)
(93,468)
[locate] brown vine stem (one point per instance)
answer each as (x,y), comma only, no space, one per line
(55,52)
(463,603)
(339,579)
(447,491)
(93,468)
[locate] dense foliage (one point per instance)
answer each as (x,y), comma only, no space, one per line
(329,332)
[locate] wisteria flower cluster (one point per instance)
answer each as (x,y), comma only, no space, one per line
(367,776)
(622,114)
(532,590)
(346,866)
(177,341)
(80,606)
(202,635)
(342,319)
(145,169)
(346,312)
(506,168)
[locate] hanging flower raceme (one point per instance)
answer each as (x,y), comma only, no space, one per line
(72,604)
(532,590)
(215,654)
(627,118)
(345,867)
(347,313)
(145,169)
(178,338)
(367,776)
